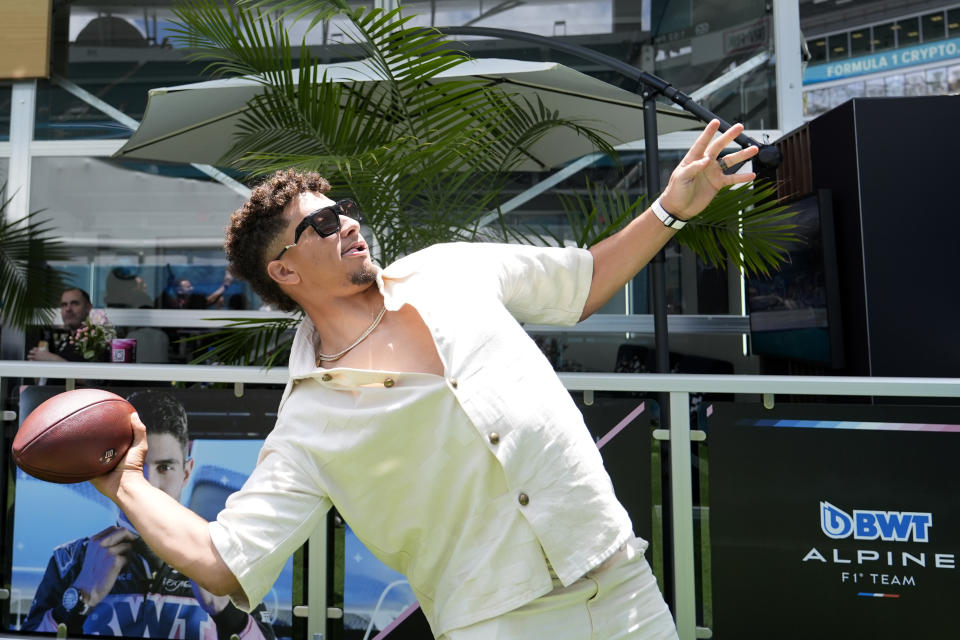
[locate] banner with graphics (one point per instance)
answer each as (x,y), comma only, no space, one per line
(60,531)
(834,521)
(926,53)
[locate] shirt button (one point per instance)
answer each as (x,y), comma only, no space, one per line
(388,383)
(494,437)
(454,383)
(326,377)
(523,499)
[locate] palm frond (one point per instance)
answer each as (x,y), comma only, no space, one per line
(745,225)
(602,213)
(29,287)
(528,233)
(527,122)
(246,342)
(598,213)
(232,41)
(299,9)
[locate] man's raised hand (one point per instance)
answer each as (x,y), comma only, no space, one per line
(699,176)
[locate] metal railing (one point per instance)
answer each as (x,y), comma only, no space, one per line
(677,386)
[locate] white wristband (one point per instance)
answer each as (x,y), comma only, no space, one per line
(668,219)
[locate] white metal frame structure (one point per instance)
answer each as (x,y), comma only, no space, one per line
(678,387)
(23,148)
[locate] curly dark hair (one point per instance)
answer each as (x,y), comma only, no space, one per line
(254,226)
(162,413)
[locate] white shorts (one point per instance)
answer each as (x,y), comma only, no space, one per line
(618,599)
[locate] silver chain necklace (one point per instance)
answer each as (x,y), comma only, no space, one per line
(323,357)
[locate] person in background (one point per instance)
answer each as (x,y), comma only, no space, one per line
(112,584)
(75,307)
(218,296)
(183,296)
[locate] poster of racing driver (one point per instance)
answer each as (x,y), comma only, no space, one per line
(110,583)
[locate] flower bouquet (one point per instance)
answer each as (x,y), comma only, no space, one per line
(93,337)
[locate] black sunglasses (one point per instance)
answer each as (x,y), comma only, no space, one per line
(325,222)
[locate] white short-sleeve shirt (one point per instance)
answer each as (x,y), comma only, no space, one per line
(468,482)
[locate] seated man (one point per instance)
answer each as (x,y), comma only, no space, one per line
(75,307)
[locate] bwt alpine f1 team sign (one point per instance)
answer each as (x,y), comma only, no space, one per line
(834,521)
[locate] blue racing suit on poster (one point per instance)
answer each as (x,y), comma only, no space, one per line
(150,599)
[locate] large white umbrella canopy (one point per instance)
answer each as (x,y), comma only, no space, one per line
(197,122)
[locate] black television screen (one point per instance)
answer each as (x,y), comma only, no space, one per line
(795,312)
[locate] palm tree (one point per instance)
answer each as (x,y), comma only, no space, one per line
(425,158)
(29,287)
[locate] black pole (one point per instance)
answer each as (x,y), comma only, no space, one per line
(661,336)
(657,271)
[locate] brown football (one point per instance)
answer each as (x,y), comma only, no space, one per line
(74,436)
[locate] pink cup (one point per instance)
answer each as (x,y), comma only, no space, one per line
(123,350)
